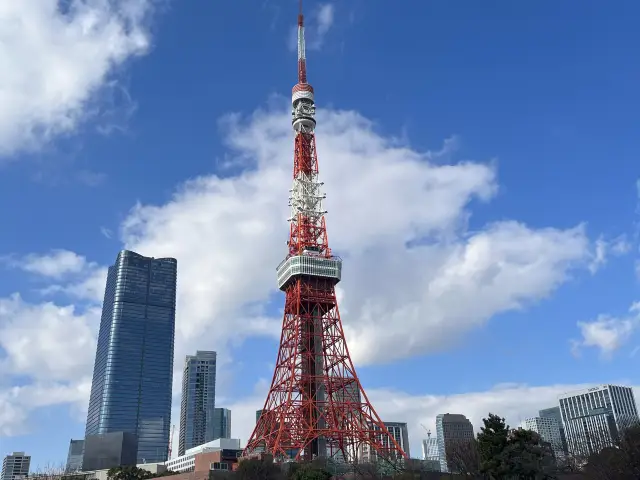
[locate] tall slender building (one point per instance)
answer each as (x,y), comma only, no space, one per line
(554,412)
(221,423)
(133,371)
(74,457)
(198,400)
(454,434)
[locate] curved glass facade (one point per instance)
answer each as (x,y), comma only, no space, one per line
(133,371)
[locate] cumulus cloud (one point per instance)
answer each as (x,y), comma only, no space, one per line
(607,248)
(514,402)
(399,217)
(55,264)
(56,58)
(607,333)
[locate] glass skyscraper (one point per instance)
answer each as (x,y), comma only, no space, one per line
(133,371)
(197,408)
(221,423)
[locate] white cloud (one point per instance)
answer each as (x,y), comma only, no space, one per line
(56,264)
(413,271)
(607,248)
(55,64)
(514,402)
(608,333)
(45,341)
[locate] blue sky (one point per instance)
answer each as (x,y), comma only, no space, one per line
(481,171)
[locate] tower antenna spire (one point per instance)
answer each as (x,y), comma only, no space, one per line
(302,57)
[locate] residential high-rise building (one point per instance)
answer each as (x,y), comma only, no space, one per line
(221,423)
(74,457)
(133,371)
(595,417)
(455,435)
(198,400)
(554,412)
(549,431)
(430,448)
(15,466)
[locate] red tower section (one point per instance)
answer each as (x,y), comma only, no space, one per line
(316,406)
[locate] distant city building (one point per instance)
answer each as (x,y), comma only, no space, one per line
(430,448)
(15,466)
(554,412)
(74,457)
(198,400)
(549,431)
(454,432)
(188,462)
(258,413)
(595,417)
(133,371)
(398,431)
(221,423)
(110,450)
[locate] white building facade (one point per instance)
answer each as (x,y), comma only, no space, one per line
(595,417)
(187,462)
(549,431)
(15,466)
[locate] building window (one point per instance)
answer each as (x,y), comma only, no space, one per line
(219,466)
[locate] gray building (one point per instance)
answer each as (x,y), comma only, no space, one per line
(198,400)
(109,450)
(221,423)
(74,457)
(258,413)
(15,466)
(398,431)
(594,418)
(454,434)
(133,371)
(554,412)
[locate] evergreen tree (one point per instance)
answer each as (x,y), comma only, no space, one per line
(492,442)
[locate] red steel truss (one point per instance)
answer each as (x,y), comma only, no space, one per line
(316,406)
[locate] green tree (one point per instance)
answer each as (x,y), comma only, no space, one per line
(309,472)
(129,472)
(258,469)
(526,457)
(492,442)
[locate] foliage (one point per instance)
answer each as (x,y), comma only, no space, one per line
(492,442)
(308,471)
(258,469)
(618,462)
(131,472)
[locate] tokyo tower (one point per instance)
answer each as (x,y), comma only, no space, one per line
(316,406)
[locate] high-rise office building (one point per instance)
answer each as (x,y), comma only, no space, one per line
(398,431)
(133,371)
(549,431)
(454,434)
(198,400)
(258,413)
(221,423)
(430,448)
(74,457)
(554,412)
(595,417)
(15,466)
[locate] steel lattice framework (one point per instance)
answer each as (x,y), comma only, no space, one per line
(316,406)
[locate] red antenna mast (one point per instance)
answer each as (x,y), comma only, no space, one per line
(316,406)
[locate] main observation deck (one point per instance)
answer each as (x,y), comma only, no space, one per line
(309,264)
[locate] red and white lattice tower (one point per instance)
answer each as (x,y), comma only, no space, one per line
(316,406)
